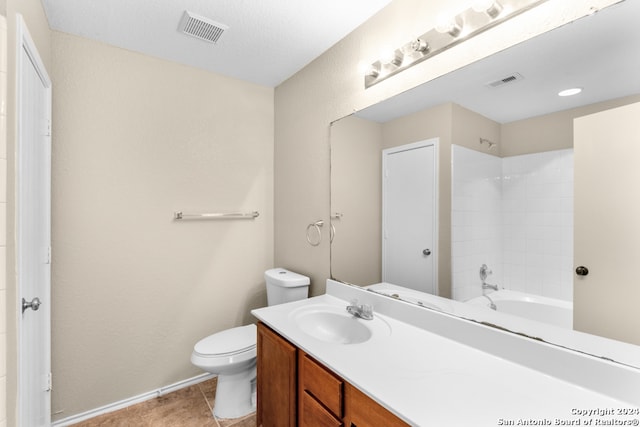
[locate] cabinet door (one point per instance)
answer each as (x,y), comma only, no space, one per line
(277,373)
(362,411)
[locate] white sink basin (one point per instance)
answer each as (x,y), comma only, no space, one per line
(333,324)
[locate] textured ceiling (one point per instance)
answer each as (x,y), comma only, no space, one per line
(267,41)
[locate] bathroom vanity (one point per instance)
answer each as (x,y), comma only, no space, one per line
(295,389)
(319,365)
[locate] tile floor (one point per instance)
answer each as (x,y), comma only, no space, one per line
(188,407)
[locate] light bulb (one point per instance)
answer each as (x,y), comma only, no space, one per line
(373,70)
(570,92)
(450,25)
(394,57)
(490,7)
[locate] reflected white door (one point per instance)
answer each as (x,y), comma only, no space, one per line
(409,216)
(33,234)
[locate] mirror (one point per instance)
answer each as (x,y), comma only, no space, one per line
(504,111)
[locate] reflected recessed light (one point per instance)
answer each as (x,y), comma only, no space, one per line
(569,92)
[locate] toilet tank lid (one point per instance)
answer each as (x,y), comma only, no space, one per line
(286,278)
(232,340)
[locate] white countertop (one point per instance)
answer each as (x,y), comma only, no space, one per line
(431,378)
(619,351)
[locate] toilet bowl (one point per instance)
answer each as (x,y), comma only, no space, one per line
(231,354)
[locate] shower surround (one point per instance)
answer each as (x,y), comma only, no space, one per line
(514,214)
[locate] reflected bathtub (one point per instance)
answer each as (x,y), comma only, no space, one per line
(542,309)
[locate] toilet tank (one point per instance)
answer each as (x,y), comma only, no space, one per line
(285,286)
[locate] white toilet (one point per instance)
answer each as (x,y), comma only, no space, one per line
(231,354)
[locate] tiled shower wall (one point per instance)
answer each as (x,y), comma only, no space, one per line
(514,214)
(476,220)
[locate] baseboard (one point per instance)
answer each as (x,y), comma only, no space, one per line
(131,401)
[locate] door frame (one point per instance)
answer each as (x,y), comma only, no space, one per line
(435,142)
(25,43)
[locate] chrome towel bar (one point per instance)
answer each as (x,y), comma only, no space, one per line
(233,215)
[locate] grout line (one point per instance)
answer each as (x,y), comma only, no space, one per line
(204,396)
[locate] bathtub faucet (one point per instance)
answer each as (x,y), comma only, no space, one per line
(484,273)
(492,305)
(363,311)
(486,285)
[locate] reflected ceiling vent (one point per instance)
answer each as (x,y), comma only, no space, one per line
(201,27)
(511,78)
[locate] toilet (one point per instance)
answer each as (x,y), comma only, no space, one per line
(231,354)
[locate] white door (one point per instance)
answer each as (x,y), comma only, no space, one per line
(409,216)
(607,223)
(33,234)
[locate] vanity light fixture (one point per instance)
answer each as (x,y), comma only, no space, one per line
(483,15)
(570,92)
(419,46)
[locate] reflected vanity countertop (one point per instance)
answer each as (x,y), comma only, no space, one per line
(436,369)
(475,310)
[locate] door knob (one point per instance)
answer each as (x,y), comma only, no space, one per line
(582,271)
(33,305)
(426,252)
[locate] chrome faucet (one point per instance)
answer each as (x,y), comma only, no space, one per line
(492,305)
(363,311)
(486,285)
(484,273)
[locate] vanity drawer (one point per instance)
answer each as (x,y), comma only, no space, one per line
(314,414)
(362,411)
(317,381)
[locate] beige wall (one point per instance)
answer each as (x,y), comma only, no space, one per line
(469,127)
(332,87)
(551,131)
(356,176)
(135,139)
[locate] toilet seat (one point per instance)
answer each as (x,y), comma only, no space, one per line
(230,342)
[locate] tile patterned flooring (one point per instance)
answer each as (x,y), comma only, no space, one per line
(188,407)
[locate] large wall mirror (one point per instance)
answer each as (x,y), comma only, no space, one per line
(502,207)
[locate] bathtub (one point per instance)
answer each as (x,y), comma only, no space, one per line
(542,309)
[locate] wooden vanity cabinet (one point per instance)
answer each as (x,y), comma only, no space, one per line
(296,390)
(276,380)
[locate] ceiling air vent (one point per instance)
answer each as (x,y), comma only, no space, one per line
(505,80)
(201,27)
